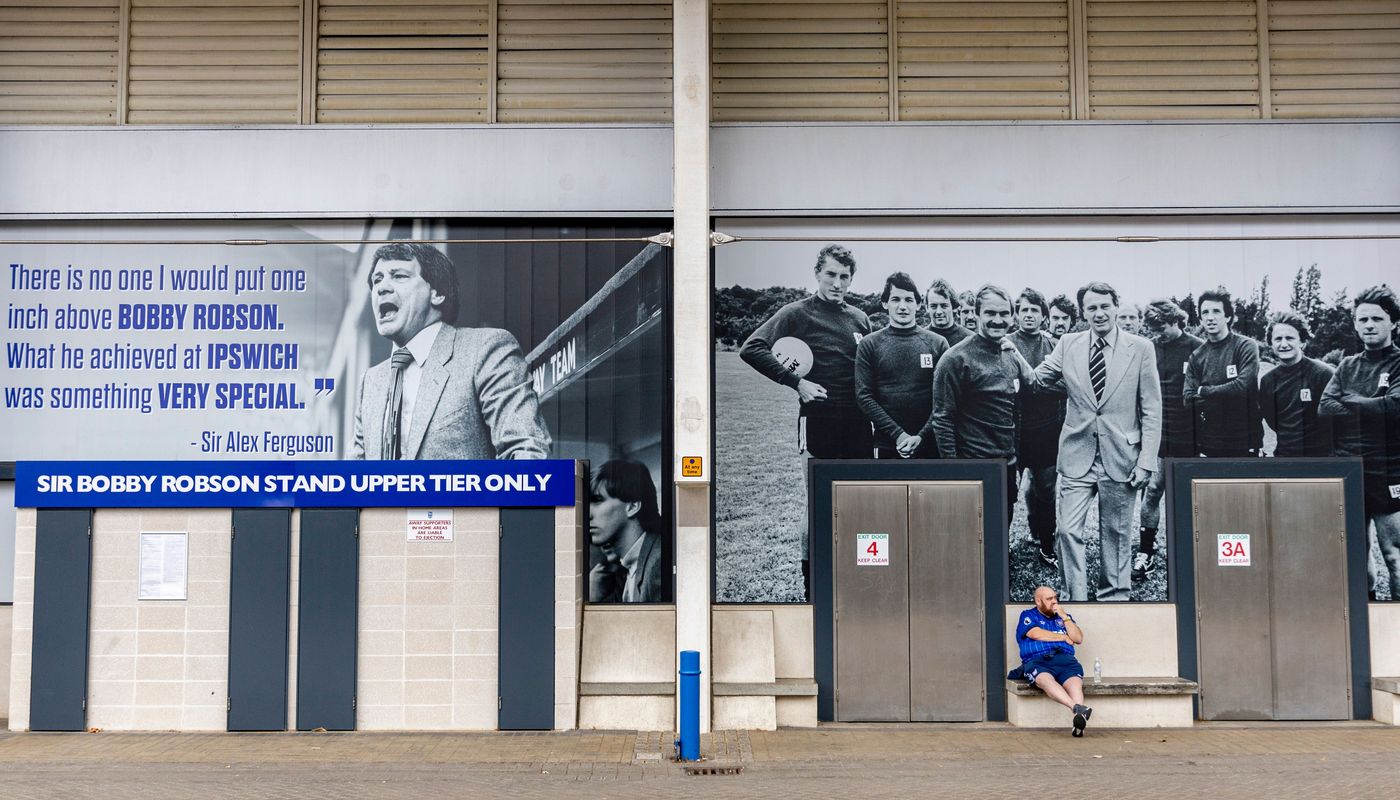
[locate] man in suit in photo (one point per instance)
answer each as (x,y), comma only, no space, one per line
(446,392)
(1108,446)
(624,522)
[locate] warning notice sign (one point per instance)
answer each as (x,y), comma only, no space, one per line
(872,549)
(1232,549)
(430,524)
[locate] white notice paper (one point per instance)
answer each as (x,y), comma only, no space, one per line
(164,566)
(430,524)
(872,549)
(1232,549)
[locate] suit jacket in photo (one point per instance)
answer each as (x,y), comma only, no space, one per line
(475,401)
(1126,426)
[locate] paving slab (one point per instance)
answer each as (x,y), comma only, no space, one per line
(1342,760)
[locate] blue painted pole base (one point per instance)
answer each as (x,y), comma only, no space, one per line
(690,705)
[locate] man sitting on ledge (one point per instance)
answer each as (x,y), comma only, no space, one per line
(1047,635)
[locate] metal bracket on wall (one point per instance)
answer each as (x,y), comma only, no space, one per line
(666,239)
(717,238)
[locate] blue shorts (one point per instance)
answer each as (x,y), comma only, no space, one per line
(1059,665)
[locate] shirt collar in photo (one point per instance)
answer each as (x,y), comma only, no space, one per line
(421,345)
(1109,341)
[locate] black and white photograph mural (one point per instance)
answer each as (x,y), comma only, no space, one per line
(1080,352)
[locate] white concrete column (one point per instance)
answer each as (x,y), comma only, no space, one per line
(690,325)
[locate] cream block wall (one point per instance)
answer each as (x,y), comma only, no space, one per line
(159,664)
(428,655)
(569,583)
(1134,640)
(1384,622)
(22,619)
(1385,639)
(624,645)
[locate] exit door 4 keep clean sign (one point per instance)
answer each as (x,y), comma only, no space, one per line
(1232,549)
(872,549)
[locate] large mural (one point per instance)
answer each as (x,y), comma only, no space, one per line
(1080,352)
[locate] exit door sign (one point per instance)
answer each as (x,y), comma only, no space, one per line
(872,549)
(1232,549)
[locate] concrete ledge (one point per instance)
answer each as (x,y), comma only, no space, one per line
(782,687)
(1391,685)
(1118,687)
(627,689)
(1132,702)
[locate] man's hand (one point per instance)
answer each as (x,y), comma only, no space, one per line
(603,581)
(810,392)
(1139,478)
(1008,345)
(907,444)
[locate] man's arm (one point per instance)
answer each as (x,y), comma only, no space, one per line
(867,375)
(1191,383)
(1053,386)
(1331,404)
(1074,634)
(508,402)
(1150,409)
(757,351)
(1049,374)
(1384,406)
(945,407)
(1246,373)
(1267,402)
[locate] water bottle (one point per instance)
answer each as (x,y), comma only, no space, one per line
(1098,670)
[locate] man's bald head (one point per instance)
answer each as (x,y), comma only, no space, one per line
(1046,599)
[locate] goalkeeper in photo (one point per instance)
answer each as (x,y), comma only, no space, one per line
(830,423)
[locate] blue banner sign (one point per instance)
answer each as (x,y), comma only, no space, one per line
(292,484)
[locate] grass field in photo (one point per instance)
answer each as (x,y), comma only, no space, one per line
(760,500)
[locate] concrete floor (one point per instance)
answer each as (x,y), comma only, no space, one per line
(1344,760)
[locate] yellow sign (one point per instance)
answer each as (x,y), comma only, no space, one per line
(692,467)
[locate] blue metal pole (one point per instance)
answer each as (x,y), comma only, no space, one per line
(690,705)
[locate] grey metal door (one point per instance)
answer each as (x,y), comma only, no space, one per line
(1232,602)
(1312,665)
(909,634)
(872,604)
(1272,633)
(946,660)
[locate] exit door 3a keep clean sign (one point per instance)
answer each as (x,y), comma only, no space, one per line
(872,549)
(1232,549)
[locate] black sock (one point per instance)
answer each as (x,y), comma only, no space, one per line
(1147,540)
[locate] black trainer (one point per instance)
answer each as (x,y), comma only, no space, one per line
(1047,557)
(1142,565)
(1081,718)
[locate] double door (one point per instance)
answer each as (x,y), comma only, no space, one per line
(1271,599)
(909,638)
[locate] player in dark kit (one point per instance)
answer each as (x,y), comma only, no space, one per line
(1042,415)
(1163,322)
(1363,400)
(1061,317)
(974,391)
(894,375)
(943,312)
(1289,394)
(1222,384)
(830,424)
